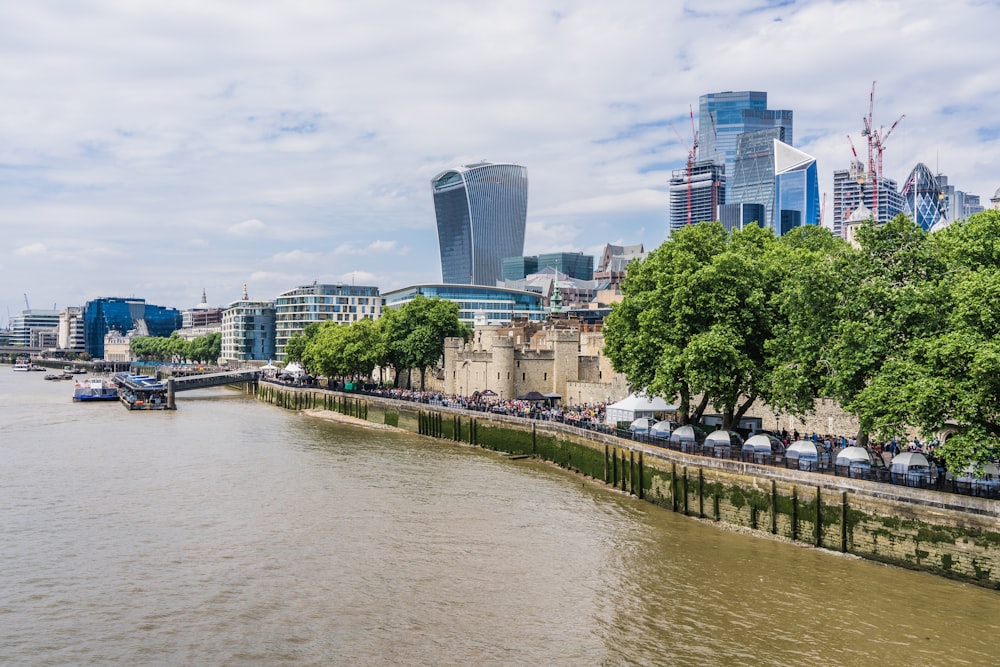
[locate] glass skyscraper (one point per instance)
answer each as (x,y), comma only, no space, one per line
(573,264)
(853,187)
(781,179)
(752,180)
(923,197)
(723,117)
(481,212)
(796,188)
(123,315)
(696,198)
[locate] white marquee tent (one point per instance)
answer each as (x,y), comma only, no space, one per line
(634,406)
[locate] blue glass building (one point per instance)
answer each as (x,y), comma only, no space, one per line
(723,117)
(796,188)
(923,197)
(573,264)
(781,179)
(494,305)
(752,180)
(102,315)
(481,212)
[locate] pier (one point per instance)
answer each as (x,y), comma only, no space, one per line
(141,392)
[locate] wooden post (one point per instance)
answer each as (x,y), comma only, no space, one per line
(795,514)
(673,486)
(701,493)
(774,508)
(685,487)
(641,492)
(171,399)
(843,522)
(819,513)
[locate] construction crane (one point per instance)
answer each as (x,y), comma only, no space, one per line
(876,146)
(692,156)
(26,301)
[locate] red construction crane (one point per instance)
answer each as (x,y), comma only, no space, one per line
(876,145)
(692,156)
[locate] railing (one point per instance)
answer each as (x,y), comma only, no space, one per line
(935,480)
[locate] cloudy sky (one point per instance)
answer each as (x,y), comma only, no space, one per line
(155,149)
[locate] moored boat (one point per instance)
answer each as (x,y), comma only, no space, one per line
(141,392)
(95,389)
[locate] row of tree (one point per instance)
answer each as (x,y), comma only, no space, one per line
(203,349)
(902,331)
(402,339)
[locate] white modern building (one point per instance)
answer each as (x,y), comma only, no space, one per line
(248,331)
(295,309)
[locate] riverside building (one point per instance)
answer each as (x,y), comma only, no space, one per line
(248,331)
(477,303)
(124,315)
(296,309)
(481,212)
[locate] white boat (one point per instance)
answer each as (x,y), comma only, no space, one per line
(96,389)
(21,365)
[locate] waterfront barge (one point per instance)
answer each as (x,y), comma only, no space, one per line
(95,389)
(141,392)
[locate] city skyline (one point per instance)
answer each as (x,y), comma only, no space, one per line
(158,151)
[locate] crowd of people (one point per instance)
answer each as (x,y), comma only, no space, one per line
(586,414)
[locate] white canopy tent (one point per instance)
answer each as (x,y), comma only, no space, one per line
(634,406)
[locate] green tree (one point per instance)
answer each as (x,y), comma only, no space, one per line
(729,318)
(890,299)
(412,336)
(295,348)
(941,367)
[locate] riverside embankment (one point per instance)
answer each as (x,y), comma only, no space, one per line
(945,534)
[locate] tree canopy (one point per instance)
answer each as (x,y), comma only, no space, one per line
(718,315)
(203,349)
(902,331)
(405,338)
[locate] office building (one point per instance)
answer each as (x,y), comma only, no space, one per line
(923,199)
(71,333)
(573,264)
(796,188)
(125,315)
(201,315)
(737,216)
(696,198)
(752,178)
(723,117)
(481,212)
(295,309)
(516,268)
(477,304)
(853,187)
(783,180)
(29,324)
(248,331)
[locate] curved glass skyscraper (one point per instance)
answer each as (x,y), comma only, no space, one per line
(923,197)
(481,211)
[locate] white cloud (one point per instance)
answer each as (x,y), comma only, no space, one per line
(31,250)
(248,228)
(219,139)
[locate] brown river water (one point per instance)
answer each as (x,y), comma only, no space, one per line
(231,532)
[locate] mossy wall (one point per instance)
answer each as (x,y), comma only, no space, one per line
(907,527)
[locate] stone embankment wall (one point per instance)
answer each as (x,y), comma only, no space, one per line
(946,534)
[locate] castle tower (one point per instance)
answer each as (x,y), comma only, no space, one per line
(566,364)
(452,347)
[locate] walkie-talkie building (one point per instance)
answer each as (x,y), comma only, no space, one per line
(481,212)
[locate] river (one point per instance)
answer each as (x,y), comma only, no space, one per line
(231,532)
